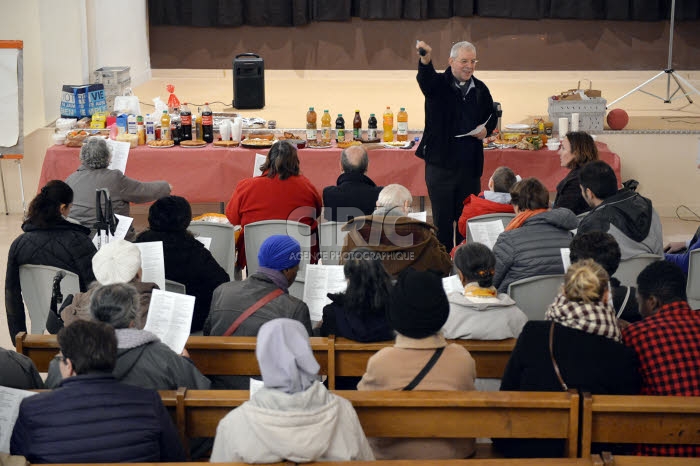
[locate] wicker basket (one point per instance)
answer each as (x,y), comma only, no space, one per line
(591,113)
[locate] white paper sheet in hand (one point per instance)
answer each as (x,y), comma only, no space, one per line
(476,130)
(319,281)
(152,263)
(120,155)
(259,160)
(10,399)
(170,318)
(9,98)
(422,216)
(255,385)
(565,259)
(452,284)
(119,233)
(486,232)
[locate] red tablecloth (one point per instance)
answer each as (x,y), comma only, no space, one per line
(210,174)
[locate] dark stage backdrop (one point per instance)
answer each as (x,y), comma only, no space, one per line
(380,35)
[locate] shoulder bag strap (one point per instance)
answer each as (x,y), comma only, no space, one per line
(554,361)
(425,370)
(624,303)
(248,312)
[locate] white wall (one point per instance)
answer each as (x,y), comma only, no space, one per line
(118,34)
(66,40)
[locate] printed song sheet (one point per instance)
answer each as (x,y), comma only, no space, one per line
(452,284)
(321,280)
(565,259)
(170,318)
(120,155)
(486,232)
(10,398)
(422,216)
(152,263)
(259,160)
(119,233)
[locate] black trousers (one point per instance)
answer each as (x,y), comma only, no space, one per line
(447,189)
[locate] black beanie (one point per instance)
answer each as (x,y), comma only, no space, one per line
(170,213)
(419,306)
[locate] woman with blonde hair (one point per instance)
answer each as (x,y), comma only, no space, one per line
(578,346)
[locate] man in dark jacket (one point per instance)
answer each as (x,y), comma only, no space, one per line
(355,194)
(627,216)
(456,104)
(92,418)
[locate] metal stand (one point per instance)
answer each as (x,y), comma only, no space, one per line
(669,72)
(17,158)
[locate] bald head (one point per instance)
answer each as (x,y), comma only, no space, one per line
(354,159)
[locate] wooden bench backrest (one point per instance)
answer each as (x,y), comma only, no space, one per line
(640,419)
(236,355)
(421,413)
(491,356)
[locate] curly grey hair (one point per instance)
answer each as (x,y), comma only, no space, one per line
(116,305)
(95,153)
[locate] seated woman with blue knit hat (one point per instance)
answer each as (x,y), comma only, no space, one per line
(293,417)
(241,307)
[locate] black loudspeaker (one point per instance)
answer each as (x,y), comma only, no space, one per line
(248,81)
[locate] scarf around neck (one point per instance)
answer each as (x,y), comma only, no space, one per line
(519,219)
(473,290)
(595,318)
(277,278)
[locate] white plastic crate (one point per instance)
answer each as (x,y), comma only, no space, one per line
(591,113)
(112,75)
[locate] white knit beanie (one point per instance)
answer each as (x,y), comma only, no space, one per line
(116,262)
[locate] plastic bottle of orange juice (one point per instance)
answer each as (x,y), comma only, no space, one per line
(388,125)
(402,125)
(326,127)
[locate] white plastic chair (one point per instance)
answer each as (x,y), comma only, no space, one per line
(503,217)
(256,233)
(534,294)
(330,241)
(175,287)
(222,248)
(693,286)
(629,269)
(36,282)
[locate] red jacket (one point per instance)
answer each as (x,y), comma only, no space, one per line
(263,198)
(477,205)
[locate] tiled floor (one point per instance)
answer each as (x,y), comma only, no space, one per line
(10,228)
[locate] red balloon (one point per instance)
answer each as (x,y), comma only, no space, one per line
(617,119)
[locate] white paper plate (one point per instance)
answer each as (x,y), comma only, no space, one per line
(517,127)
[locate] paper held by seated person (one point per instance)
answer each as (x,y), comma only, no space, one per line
(422,216)
(170,318)
(255,385)
(565,258)
(10,399)
(452,284)
(120,155)
(319,281)
(120,232)
(152,263)
(486,232)
(259,160)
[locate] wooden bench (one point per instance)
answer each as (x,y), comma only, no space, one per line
(236,355)
(419,414)
(491,357)
(639,419)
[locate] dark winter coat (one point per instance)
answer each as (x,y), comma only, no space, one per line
(354,195)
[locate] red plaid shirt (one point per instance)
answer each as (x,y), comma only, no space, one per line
(668,347)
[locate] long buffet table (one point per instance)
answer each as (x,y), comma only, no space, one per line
(210,174)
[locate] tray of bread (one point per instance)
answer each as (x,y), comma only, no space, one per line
(160,143)
(225,144)
(346,144)
(318,145)
(257,143)
(193,143)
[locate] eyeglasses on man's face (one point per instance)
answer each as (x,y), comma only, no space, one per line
(464,61)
